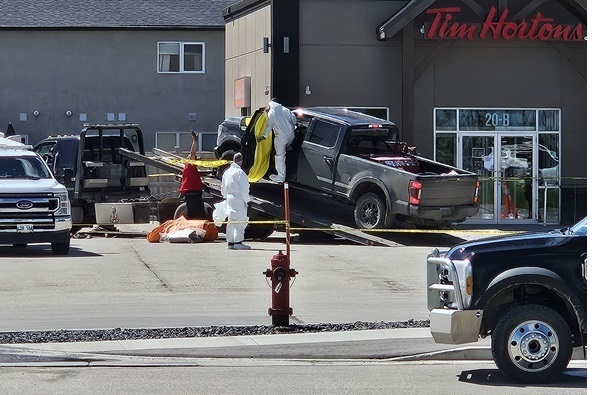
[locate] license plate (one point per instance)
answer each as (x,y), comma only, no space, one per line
(446,211)
(24,228)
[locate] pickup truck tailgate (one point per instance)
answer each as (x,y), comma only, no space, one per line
(442,190)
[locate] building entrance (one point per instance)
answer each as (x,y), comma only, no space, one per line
(504,164)
(515,155)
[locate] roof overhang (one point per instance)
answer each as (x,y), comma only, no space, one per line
(403,17)
(414,8)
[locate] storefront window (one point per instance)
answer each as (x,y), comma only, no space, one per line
(548,159)
(445,120)
(445,148)
(549,120)
(549,199)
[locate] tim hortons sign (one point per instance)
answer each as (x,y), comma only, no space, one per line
(497,26)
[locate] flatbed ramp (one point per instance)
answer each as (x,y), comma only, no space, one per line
(308,210)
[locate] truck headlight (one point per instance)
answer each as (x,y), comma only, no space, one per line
(464,271)
(64,206)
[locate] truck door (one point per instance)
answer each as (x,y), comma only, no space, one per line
(317,161)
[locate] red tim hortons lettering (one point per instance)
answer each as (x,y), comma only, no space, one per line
(539,28)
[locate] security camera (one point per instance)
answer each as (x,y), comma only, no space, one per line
(267,90)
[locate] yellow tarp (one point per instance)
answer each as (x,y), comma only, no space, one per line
(262,155)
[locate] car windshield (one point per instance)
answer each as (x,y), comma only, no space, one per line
(579,229)
(30,167)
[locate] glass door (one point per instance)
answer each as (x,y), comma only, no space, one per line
(504,164)
(477,155)
(515,175)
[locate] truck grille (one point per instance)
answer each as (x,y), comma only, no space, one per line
(35,209)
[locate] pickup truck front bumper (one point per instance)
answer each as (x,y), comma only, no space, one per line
(455,326)
(58,234)
(452,213)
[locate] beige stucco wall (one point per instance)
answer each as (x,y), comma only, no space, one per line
(244,57)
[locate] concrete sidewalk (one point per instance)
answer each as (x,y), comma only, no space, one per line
(393,344)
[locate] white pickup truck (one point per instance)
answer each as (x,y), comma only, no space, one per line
(34,207)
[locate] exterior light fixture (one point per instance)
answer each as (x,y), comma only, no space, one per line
(68,113)
(36,113)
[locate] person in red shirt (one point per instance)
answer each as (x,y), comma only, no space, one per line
(191,185)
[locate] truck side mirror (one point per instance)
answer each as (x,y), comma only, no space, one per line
(244,123)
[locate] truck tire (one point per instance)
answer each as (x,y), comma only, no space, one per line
(370,212)
(532,343)
(61,248)
(182,210)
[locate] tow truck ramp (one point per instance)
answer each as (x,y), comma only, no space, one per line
(266,202)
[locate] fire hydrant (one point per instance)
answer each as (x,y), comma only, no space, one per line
(280,274)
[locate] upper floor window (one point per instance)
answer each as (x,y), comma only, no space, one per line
(180,57)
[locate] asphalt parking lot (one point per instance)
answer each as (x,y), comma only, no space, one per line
(119,280)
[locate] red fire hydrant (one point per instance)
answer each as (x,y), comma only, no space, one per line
(280,274)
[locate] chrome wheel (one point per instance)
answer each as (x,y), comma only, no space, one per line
(533,346)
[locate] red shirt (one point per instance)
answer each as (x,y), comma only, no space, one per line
(190,179)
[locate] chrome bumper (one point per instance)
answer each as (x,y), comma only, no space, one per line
(455,326)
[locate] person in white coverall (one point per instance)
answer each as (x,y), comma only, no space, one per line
(282,121)
(235,188)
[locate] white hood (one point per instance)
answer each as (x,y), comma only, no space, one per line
(43,185)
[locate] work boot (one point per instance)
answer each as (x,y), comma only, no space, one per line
(230,246)
(241,246)
(275,178)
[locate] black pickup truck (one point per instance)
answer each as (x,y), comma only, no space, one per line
(527,291)
(360,160)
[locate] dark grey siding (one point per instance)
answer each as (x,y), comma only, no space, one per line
(109,71)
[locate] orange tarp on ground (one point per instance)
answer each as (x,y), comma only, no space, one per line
(174,225)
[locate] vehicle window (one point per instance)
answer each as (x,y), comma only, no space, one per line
(580,228)
(31,167)
(110,148)
(371,140)
(45,151)
(324,133)
(67,155)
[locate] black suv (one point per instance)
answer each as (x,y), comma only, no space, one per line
(527,291)
(92,168)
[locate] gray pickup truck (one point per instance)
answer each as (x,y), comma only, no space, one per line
(359,159)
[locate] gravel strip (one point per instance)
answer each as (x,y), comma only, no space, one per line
(62,336)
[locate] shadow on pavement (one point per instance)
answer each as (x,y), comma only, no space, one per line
(571,378)
(41,250)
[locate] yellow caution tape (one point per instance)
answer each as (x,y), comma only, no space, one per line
(446,231)
(208,163)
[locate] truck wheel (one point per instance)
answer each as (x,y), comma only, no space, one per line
(182,210)
(61,248)
(532,343)
(369,212)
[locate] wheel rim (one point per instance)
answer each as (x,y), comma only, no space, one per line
(369,214)
(533,346)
